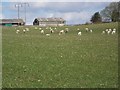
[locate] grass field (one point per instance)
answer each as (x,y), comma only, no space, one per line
(67,61)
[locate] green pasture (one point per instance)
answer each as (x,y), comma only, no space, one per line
(35,60)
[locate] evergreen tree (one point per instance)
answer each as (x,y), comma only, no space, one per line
(96,18)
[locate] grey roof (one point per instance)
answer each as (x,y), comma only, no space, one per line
(50,19)
(11,21)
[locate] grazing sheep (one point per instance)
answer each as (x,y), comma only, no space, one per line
(61,32)
(24,30)
(91,30)
(106,30)
(86,29)
(113,32)
(47,34)
(114,29)
(17,31)
(42,31)
(52,31)
(78,29)
(27,29)
(79,33)
(103,32)
(36,28)
(66,30)
(110,30)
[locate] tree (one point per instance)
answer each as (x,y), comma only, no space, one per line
(115,16)
(111,11)
(96,18)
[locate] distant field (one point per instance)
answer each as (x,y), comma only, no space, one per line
(67,61)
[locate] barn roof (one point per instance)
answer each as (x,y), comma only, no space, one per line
(50,19)
(11,21)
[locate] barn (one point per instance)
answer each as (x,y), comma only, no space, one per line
(11,22)
(49,21)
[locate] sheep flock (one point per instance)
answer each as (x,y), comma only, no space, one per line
(64,31)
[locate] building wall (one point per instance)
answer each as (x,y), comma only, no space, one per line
(48,23)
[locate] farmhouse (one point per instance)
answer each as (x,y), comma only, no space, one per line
(49,21)
(11,22)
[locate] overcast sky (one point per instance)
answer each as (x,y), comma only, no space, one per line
(72,12)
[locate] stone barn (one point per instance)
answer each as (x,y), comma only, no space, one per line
(11,22)
(49,21)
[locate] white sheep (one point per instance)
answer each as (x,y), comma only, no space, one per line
(108,32)
(79,33)
(24,30)
(61,32)
(91,30)
(78,29)
(40,28)
(42,31)
(17,31)
(113,32)
(103,32)
(114,29)
(86,29)
(47,34)
(27,29)
(52,31)
(36,28)
(66,30)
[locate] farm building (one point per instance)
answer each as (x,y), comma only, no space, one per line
(49,22)
(11,22)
